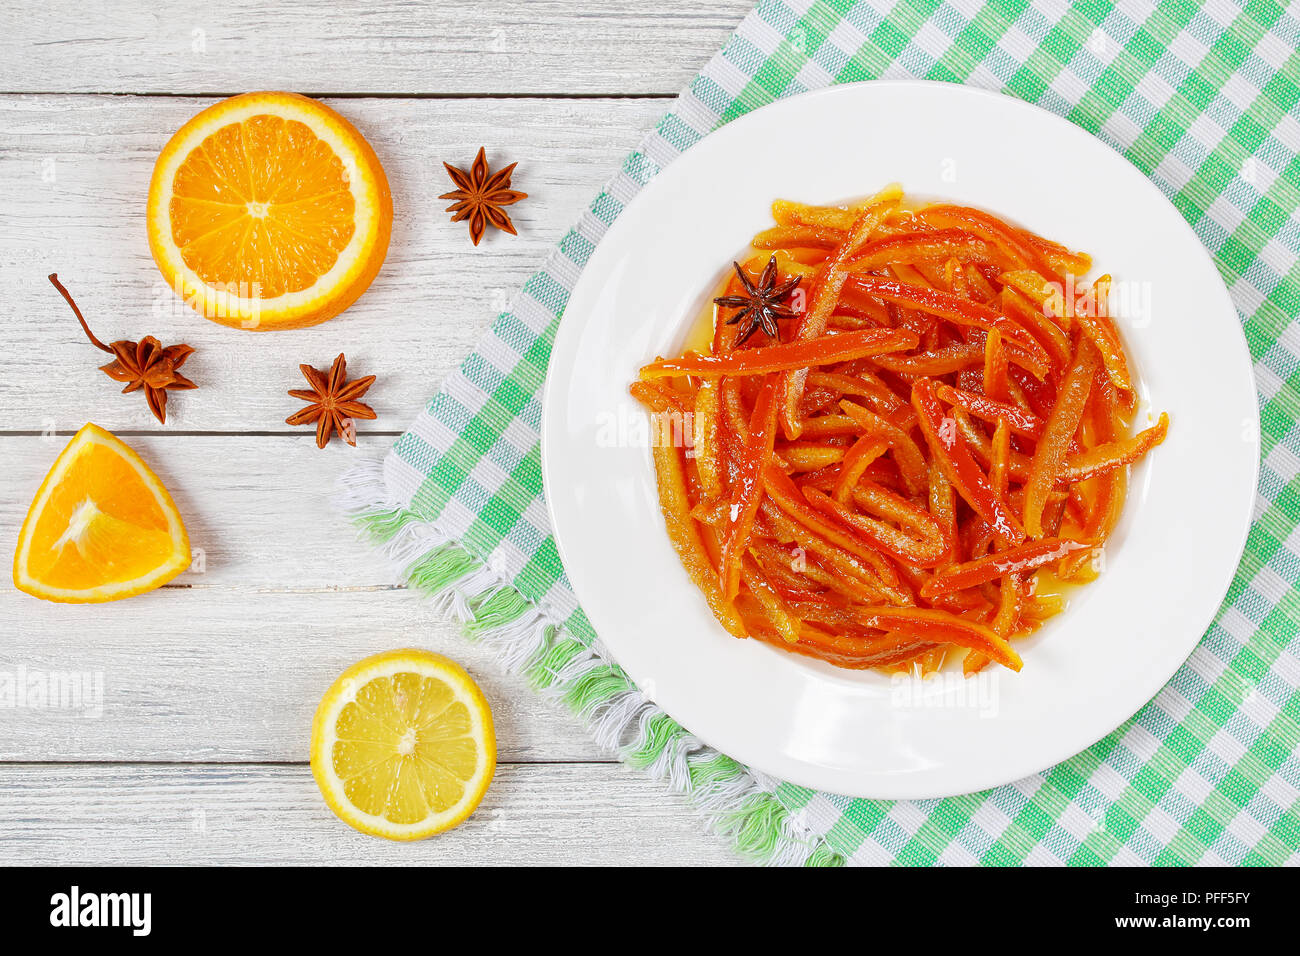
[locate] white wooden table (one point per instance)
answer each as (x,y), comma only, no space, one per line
(209,684)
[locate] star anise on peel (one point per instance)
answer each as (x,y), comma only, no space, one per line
(333,401)
(761,305)
(480,195)
(146,364)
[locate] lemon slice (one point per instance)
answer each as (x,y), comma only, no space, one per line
(101,527)
(402,745)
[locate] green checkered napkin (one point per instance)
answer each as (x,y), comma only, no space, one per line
(1201,98)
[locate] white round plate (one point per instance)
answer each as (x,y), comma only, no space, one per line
(1168,564)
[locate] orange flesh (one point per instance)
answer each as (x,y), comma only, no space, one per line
(262,208)
(101,525)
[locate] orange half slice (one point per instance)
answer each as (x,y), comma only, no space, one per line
(269,211)
(102,526)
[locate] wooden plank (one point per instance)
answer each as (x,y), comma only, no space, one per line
(74,172)
(257,507)
(561,47)
(231,674)
(227,663)
(540,815)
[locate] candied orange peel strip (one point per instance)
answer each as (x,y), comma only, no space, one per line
(882,483)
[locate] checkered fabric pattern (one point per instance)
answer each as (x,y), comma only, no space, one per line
(1203,99)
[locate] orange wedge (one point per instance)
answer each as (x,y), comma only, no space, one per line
(269,211)
(102,526)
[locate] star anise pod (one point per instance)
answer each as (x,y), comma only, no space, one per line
(146,364)
(333,402)
(480,195)
(761,303)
